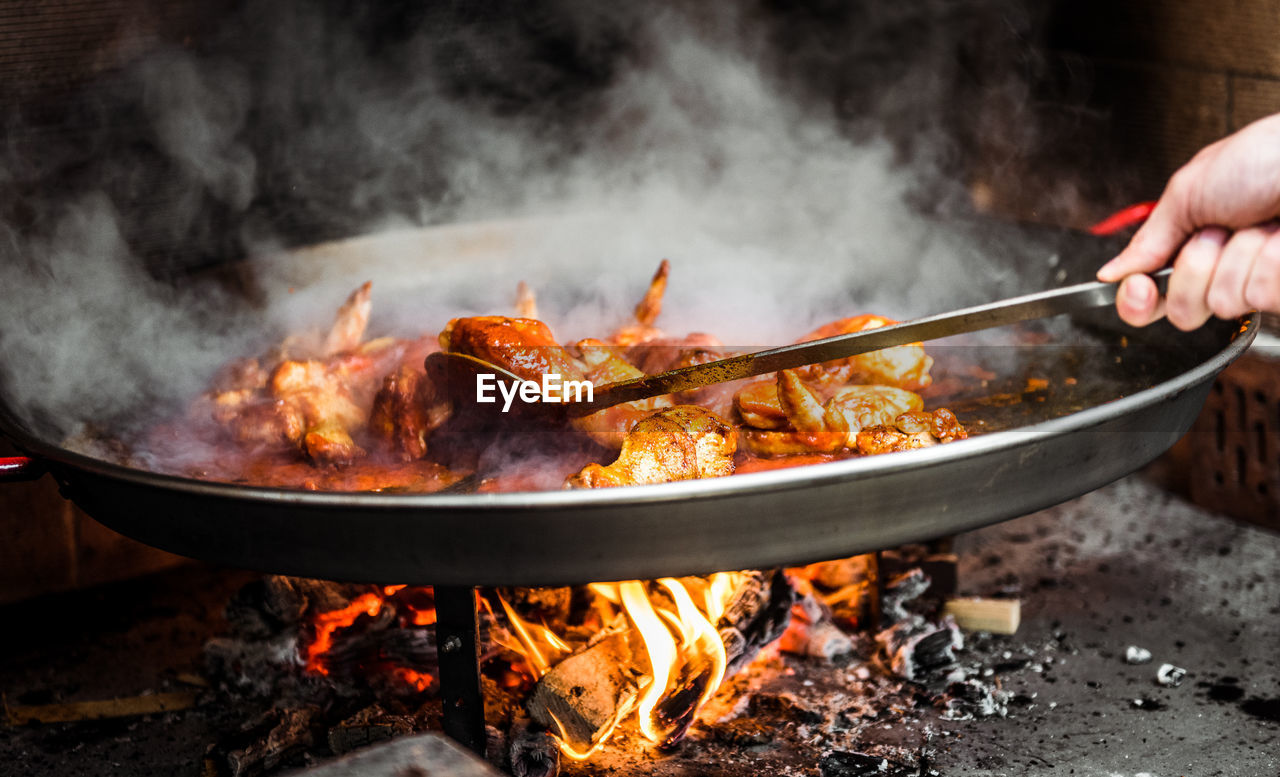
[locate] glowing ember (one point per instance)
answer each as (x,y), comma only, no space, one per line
(326,623)
(414,606)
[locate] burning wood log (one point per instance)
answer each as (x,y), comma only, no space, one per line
(586,694)
(812,631)
(757,615)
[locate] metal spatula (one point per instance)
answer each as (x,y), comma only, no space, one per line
(1044,304)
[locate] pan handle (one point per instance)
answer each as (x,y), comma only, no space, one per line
(1121,220)
(14,469)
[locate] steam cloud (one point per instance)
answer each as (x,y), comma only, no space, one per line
(790,162)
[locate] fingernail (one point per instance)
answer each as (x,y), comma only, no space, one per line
(1216,236)
(1138,293)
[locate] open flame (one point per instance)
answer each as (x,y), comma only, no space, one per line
(684,654)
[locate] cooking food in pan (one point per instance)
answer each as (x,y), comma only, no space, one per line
(345,412)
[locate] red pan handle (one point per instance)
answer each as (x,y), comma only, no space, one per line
(1123,219)
(14,469)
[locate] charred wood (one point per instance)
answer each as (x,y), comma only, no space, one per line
(278,738)
(917,648)
(533,750)
(369,725)
(899,591)
(813,633)
(757,614)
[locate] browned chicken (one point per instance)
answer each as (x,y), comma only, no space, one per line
(678,443)
(789,417)
(405,413)
(919,429)
(304,414)
(903,366)
(525,346)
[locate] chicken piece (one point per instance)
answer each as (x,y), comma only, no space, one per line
(853,408)
(647,311)
(318,393)
(405,412)
(264,422)
(348,326)
(524,346)
(903,366)
(916,429)
(793,419)
(678,443)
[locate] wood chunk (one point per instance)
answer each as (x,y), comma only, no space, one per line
(758,613)
(369,725)
(998,616)
(97,710)
(586,691)
(900,590)
(533,751)
(822,640)
(916,648)
(288,735)
(812,632)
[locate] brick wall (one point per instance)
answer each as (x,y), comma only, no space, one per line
(1173,76)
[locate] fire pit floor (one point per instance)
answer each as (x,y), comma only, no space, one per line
(1127,565)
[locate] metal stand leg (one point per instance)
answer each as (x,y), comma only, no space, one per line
(459,649)
(875,582)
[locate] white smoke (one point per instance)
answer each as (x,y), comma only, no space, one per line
(694,149)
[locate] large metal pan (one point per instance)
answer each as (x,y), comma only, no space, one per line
(1111,407)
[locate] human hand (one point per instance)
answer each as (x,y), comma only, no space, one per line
(1217,216)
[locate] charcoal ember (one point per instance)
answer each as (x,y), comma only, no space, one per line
(783,707)
(843,572)
(549,604)
(741,732)
(272,603)
(822,640)
(369,725)
(898,592)
(277,738)
(917,648)
(973,698)
(533,751)
(841,763)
